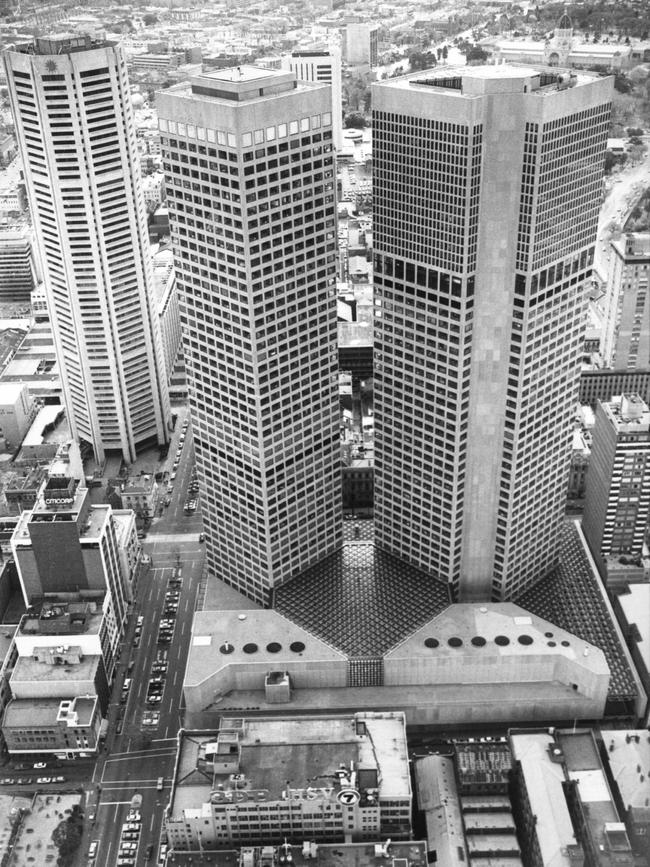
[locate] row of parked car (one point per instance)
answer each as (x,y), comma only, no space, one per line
(26,781)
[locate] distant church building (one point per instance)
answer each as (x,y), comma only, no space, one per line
(562,49)
(558,49)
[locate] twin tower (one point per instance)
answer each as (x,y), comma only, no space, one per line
(487,184)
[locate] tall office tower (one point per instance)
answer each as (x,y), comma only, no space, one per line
(76,134)
(487,188)
(250,179)
(322,64)
(626,344)
(617,504)
(362,44)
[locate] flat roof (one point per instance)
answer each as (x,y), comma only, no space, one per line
(29,670)
(244,636)
(627,750)
(544,783)
(34,712)
(497,628)
(309,749)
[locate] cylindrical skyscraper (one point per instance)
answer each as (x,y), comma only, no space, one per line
(76,135)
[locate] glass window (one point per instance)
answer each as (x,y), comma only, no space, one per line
(232,140)
(282,130)
(182,129)
(315,121)
(293,127)
(270,133)
(162,124)
(327,118)
(211,135)
(247,139)
(259,136)
(304,124)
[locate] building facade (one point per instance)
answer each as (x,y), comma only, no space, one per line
(627,329)
(617,505)
(250,179)
(322,64)
(83,183)
(19,268)
(480,289)
(356,785)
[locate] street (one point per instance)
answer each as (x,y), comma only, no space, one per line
(141,743)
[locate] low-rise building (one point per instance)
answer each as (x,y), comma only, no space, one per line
(65,728)
(627,756)
(265,781)
(617,505)
(139,493)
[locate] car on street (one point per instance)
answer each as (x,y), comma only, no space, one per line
(43,780)
(7,781)
(151,718)
(92,849)
(131,824)
(201,537)
(154,699)
(162,853)
(130,835)
(58,779)
(159,668)
(129,846)
(126,862)
(39,765)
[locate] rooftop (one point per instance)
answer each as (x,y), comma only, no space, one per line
(29,670)
(402,854)
(628,754)
(35,712)
(62,43)
(475,81)
(311,750)
(544,783)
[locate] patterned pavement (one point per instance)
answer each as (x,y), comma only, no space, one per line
(361,600)
(572,599)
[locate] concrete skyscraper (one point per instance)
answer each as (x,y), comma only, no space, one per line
(74,124)
(617,505)
(322,64)
(487,188)
(250,179)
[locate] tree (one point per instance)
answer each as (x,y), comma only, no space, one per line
(354,120)
(445,52)
(421,60)
(149,18)
(476,54)
(622,83)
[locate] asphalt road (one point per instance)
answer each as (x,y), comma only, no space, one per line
(138,754)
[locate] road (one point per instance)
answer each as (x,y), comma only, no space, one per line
(624,192)
(137,754)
